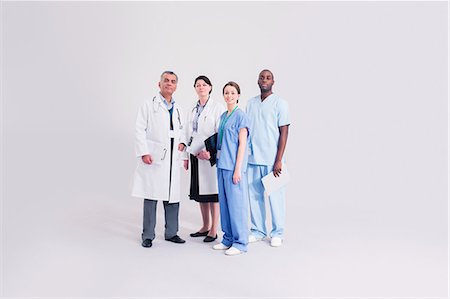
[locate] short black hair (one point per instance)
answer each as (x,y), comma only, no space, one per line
(266,70)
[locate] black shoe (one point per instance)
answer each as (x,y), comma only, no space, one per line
(209,239)
(176,239)
(199,234)
(147,243)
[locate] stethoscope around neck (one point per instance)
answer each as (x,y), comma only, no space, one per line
(156,108)
(195,109)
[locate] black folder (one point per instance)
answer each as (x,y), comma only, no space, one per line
(211,147)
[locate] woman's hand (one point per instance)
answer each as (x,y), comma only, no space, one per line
(204,155)
(186,164)
(236,176)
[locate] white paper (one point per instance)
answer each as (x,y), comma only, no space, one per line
(157,151)
(272,183)
(197,144)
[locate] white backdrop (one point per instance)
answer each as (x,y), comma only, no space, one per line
(367,85)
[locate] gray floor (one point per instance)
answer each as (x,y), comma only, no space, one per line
(88,246)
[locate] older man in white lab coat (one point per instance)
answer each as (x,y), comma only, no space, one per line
(159,128)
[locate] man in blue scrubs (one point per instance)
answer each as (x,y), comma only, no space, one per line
(269,118)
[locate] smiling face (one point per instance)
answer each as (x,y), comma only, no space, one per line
(202,88)
(168,84)
(265,81)
(230,95)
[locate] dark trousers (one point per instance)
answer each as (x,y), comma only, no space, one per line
(170,214)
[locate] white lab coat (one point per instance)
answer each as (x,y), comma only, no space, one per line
(153,127)
(208,125)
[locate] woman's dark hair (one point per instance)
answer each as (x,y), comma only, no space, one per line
(204,78)
(234,84)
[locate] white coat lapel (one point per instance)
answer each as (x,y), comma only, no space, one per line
(205,112)
(159,99)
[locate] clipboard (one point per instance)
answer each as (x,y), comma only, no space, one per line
(272,184)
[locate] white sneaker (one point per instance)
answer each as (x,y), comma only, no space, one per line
(276,242)
(233,251)
(220,246)
(253,238)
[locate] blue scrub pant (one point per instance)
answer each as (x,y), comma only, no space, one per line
(257,205)
(233,201)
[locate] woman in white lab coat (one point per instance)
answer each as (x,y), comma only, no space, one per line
(203,122)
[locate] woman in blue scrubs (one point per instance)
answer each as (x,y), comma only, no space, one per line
(232,153)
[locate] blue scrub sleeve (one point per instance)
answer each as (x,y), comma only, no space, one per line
(244,122)
(283,113)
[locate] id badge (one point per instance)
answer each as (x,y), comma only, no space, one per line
(171,134)
(218,154)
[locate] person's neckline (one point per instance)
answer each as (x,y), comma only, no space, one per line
(200,104)
(228,114)
(165,100)
(266,99)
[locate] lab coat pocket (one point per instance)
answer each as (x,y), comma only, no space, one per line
(144,170)
(157,151)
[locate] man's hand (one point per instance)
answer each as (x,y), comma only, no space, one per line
(277,168)
(186,164)
(204,155)
(147,159)
(181,147)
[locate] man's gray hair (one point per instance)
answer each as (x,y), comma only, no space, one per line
(169,73)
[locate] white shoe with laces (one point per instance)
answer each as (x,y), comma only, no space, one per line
(253,239)
(220,246)
(233,251)
(276,242)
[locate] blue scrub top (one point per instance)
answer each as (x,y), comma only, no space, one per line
(230,140)
(265,119)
